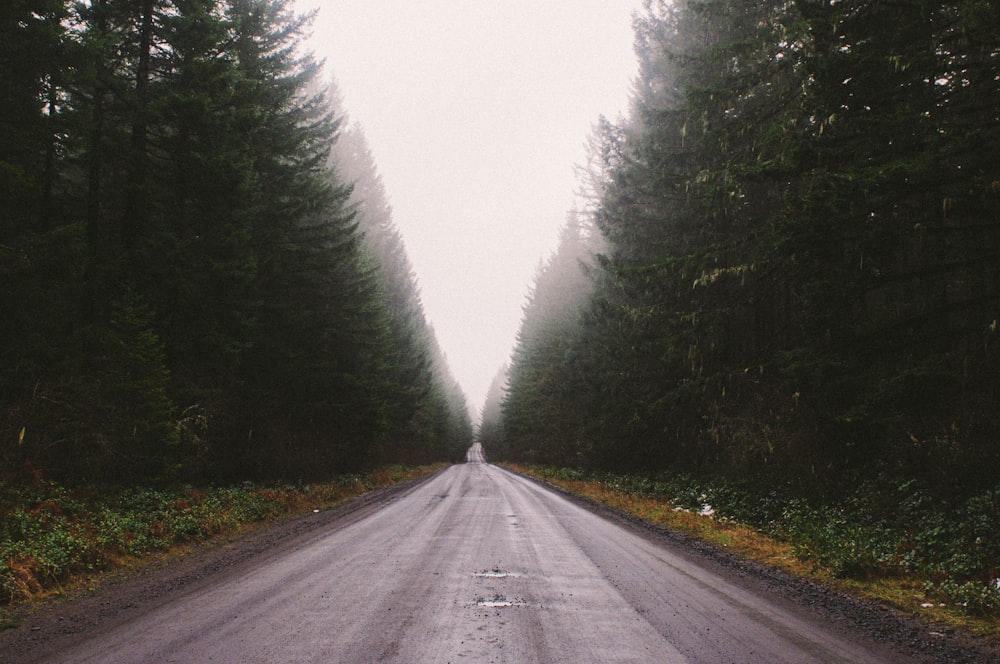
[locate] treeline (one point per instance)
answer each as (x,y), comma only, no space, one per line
(801,271)
(192,285)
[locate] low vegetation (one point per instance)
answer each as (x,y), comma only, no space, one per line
(924,556)
(53,537)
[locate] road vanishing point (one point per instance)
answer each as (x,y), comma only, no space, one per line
(475,564)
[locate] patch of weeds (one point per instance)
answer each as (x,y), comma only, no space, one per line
(878,534)
(977,599)
(50,533)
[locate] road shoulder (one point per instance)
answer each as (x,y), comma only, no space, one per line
(879,622)
(47,627)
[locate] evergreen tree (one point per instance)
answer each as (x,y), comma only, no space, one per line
(538,421)
(800,267)
(424,409)
(176,237)
(34,53)
(490,432)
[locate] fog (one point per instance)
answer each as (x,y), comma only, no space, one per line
(476,113)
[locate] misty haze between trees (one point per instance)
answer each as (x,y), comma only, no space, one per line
(785,270)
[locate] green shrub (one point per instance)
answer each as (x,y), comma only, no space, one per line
(976,598)
(870,530)
(48,532)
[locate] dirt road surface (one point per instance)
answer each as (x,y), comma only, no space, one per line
(474,565)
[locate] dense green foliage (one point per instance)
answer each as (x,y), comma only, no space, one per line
(51,534)
(186,282)
(801,280)
(868,533)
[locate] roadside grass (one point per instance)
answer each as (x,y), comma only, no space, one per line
(55,539)
(806,553)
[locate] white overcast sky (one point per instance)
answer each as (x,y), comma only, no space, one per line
(476,112)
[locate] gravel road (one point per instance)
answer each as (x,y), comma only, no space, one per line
(475,564)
